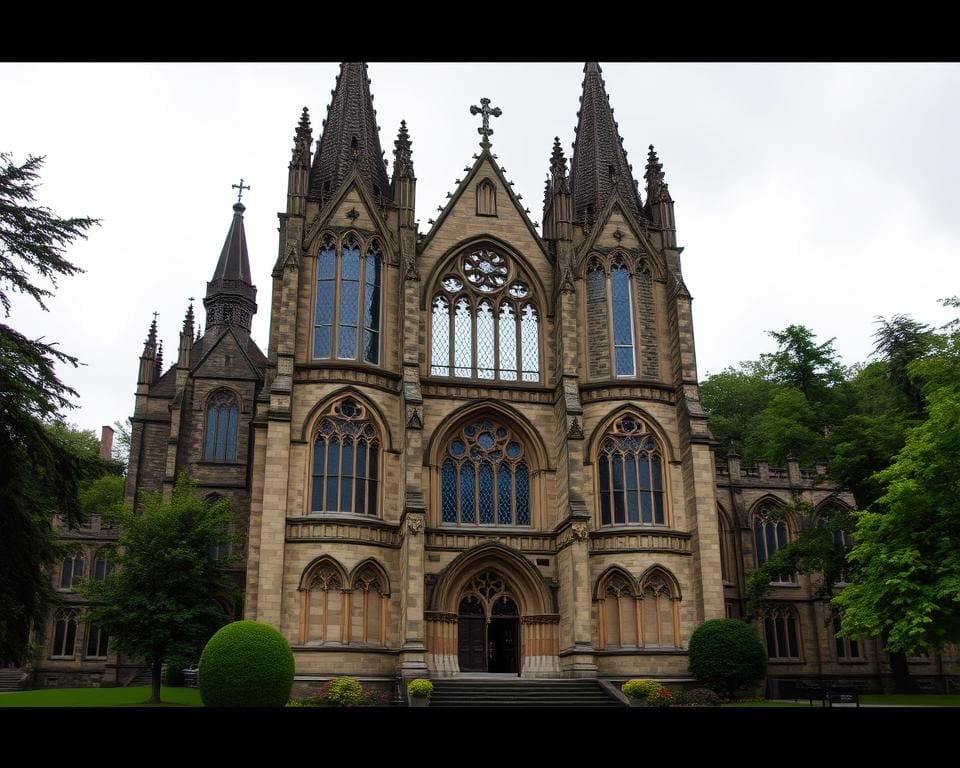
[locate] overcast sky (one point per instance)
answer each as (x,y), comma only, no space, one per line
(822,194)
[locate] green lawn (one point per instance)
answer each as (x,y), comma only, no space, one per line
(764,704)
(100,697)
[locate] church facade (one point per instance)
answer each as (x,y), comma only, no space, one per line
(478,448)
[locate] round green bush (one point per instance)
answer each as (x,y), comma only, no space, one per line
(246,664)
(701,697)
(641,689)
(344,691)
(420,687)
(726,654)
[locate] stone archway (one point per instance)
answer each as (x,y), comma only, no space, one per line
(492,612)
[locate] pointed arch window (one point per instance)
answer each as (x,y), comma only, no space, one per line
(611,318)
(346,461)
(70,570)
(220,436)
(485,477)
(97,642)
(770,533)
(485,322)
(102,565)
(630,475)
(64,634)
(348,301)
(781,633)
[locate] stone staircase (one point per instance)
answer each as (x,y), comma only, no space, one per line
(143,677)
(515,692)
(12,680)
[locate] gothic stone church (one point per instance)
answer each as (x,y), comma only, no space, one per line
(476,448)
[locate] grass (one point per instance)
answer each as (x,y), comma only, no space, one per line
(101,697)
(912,700)
(764,704)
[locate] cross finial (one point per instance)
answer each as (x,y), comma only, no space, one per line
(241,186)
(485,130)
(155,316)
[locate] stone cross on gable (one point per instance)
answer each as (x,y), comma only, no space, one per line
(485,130)
(241,186)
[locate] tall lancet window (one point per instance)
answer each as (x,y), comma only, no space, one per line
(630,475)
(485,321)
(220,436)
(347,312)
(610,318)
(346,461)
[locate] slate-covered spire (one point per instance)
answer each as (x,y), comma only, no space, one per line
(599,161)
(231,298)
(403,187)
(350,135)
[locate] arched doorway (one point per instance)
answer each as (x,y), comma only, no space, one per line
(488,627)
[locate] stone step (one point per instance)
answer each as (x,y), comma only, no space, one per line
(521,693)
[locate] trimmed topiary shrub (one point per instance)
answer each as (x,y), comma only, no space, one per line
(246,664)
(345,692)
(642,689)
(726,654)
(419,687)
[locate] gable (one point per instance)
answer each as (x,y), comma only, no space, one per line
(226,359)
(484,207)
(618,230)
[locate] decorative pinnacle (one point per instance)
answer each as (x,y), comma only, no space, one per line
(188,320)
(159,363)
(152,332)
(486,111)
(654,170)
(241,186)
(558,163)
(304,126)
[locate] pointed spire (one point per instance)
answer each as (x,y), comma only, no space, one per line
(599,163)
(148,368)
(188,319)
(302,140)
(231,298)
(199,333)
(159,363)
(350,135)
(186,339)
(403,187)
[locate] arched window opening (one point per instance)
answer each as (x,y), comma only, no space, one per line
(484,477)
(781,632)
(64,634)
(611,319)
(102,565)
(368,607)
(70,570)
(346,461)
(325,597)
(97,642)
(660,618)
(348,301)
(618,614)
(630,475)
(770,534)
(847,647)
(485,323)
(486,198)
(220,438)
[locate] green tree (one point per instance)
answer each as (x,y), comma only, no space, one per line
(726,654)
(165,597)
(908,543)
(40,472)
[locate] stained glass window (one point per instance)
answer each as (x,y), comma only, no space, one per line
(622,312)
(495,328)
(220,438)
(347,312)
(630,475)
(484,478)
(345,461)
